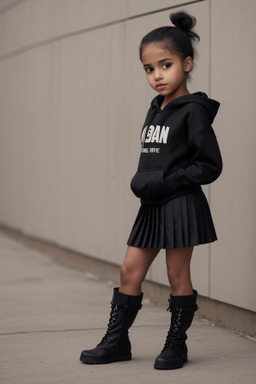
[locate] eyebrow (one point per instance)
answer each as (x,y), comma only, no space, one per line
(160,62)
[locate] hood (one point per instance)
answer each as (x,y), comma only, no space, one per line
(201,98)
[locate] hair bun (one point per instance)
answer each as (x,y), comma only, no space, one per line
(184,21)
(177,40)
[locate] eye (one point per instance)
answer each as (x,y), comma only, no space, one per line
(167,65)
(149,69)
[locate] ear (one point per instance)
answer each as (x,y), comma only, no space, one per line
(188,63)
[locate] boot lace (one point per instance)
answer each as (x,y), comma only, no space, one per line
(112,320)
(172,335)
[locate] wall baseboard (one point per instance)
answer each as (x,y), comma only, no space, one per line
(223,314)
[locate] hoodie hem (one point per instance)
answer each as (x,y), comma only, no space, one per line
(170,197)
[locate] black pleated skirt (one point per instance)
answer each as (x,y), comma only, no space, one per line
(185,221)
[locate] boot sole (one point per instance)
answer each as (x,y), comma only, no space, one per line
(165,366)
(113,359)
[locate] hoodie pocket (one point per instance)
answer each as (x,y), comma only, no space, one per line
(149,185)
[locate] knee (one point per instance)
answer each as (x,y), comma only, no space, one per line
(129,275)
(178,278)
(174,279)
(125,274)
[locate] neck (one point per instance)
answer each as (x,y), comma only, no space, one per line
(168,99)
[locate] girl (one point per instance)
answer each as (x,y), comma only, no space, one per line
(179,153)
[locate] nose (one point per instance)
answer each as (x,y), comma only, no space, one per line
(158,74)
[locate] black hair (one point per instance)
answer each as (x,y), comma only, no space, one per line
(177,37)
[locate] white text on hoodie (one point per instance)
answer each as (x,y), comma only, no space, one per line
(155,134)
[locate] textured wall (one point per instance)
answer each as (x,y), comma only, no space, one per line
(73,98)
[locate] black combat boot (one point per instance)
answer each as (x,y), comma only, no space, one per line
(175,351)
(115,345)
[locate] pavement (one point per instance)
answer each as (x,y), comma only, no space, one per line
(49,313)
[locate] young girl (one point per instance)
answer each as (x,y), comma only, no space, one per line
(179,153)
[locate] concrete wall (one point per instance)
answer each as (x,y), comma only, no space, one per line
(73,98)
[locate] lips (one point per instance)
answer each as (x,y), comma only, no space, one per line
(161,86)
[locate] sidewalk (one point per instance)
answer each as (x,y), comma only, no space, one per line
(49,313)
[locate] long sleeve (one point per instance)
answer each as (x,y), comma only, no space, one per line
(206,162)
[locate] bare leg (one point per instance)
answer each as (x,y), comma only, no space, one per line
(178,270)
(134,269)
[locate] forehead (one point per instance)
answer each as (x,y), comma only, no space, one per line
(156,51)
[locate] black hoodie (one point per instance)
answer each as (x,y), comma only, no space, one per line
(179,149)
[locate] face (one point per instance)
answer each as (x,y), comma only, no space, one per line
(165,71)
